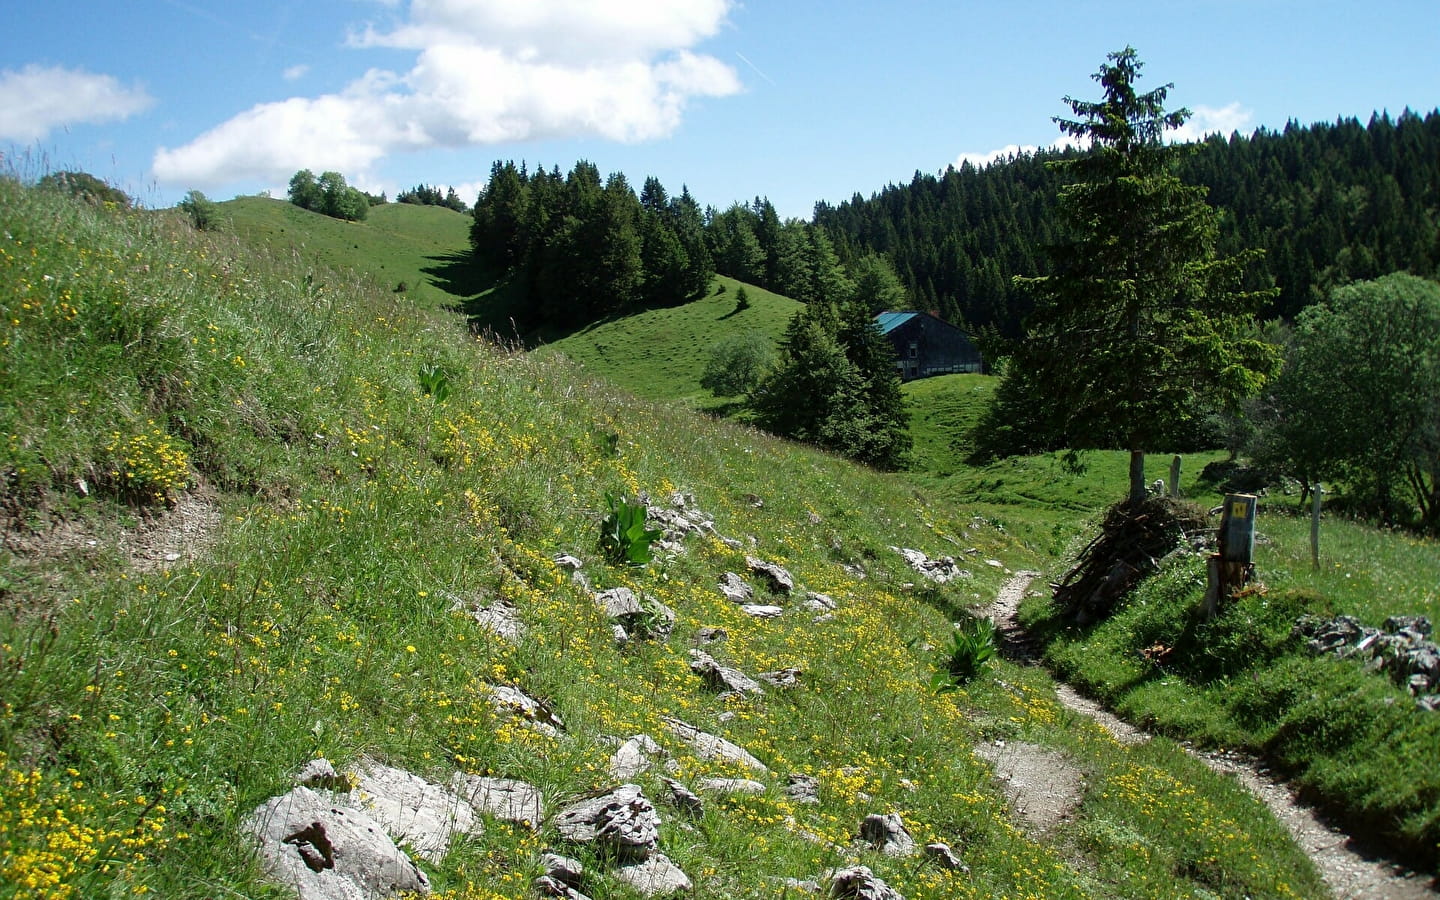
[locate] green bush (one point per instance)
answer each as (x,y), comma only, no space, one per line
(737,364)
(203,212)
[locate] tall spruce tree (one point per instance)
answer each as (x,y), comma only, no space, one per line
(836,386)
(1141,327)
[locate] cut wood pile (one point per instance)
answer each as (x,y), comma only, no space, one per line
(1132,540)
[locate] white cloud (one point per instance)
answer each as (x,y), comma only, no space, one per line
(1207,120)
(981,160)
(485,72)
(469,191)
(1204,121)
(296,72)
(579,30)
(38,99)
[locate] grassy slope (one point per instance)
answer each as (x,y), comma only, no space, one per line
(661,353)
(1353,741)
(149,707)
(943,410)
(1371,574)
(397,242)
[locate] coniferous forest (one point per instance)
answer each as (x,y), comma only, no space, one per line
(1328,203)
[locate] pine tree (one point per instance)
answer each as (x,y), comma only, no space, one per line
(836,386)
(1142,326)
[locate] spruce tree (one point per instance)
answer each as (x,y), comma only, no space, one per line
(836,386)
(1141,327)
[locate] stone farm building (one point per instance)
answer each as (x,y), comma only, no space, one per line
(926,345)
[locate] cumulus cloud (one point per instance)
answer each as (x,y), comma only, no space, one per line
(582,30)
(1207,120)
(1204,121)
(485,72)
(981,160)
(35,100)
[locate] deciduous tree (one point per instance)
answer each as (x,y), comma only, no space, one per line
(737,363)
(1359,398)
(203,212)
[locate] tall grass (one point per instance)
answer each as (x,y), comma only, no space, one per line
(144,709)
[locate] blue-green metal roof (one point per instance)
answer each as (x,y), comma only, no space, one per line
(889,321)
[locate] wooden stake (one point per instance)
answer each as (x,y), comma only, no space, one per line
(1315,493)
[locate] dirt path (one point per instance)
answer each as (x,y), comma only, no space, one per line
(1350,875)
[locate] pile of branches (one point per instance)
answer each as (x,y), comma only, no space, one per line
(1132,540)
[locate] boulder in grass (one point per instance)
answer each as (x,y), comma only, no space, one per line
(944,857)
(735,589)
(783,678)
(859,883)
(324,850)
(683,798)
(564,877)
(502,618)
(887,834)
(621,823)
(709,746)
(536,713)
(802,788)
(504,798)
(722,678)
(655,876)
(413,811)
(640,616)
(634,757)
(730,786)
(779,579)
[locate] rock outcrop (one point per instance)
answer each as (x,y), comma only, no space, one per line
(1401,649)
(709,746)
(326,850)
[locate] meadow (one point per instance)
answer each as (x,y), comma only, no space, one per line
(354,518)
(660,354)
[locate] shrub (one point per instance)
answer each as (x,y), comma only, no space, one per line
(203,212)
(737,363)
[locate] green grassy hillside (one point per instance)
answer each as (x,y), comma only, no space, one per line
(1040,507)
(943,410)
(661,353)
(657,353)
(241,535)
(422,247)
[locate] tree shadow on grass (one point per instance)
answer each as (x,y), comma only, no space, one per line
(490,301)
(724,408)
(495,302)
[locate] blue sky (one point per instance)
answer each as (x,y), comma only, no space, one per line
(795,100)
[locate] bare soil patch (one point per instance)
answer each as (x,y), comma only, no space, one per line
(159,540)
(1043,786)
